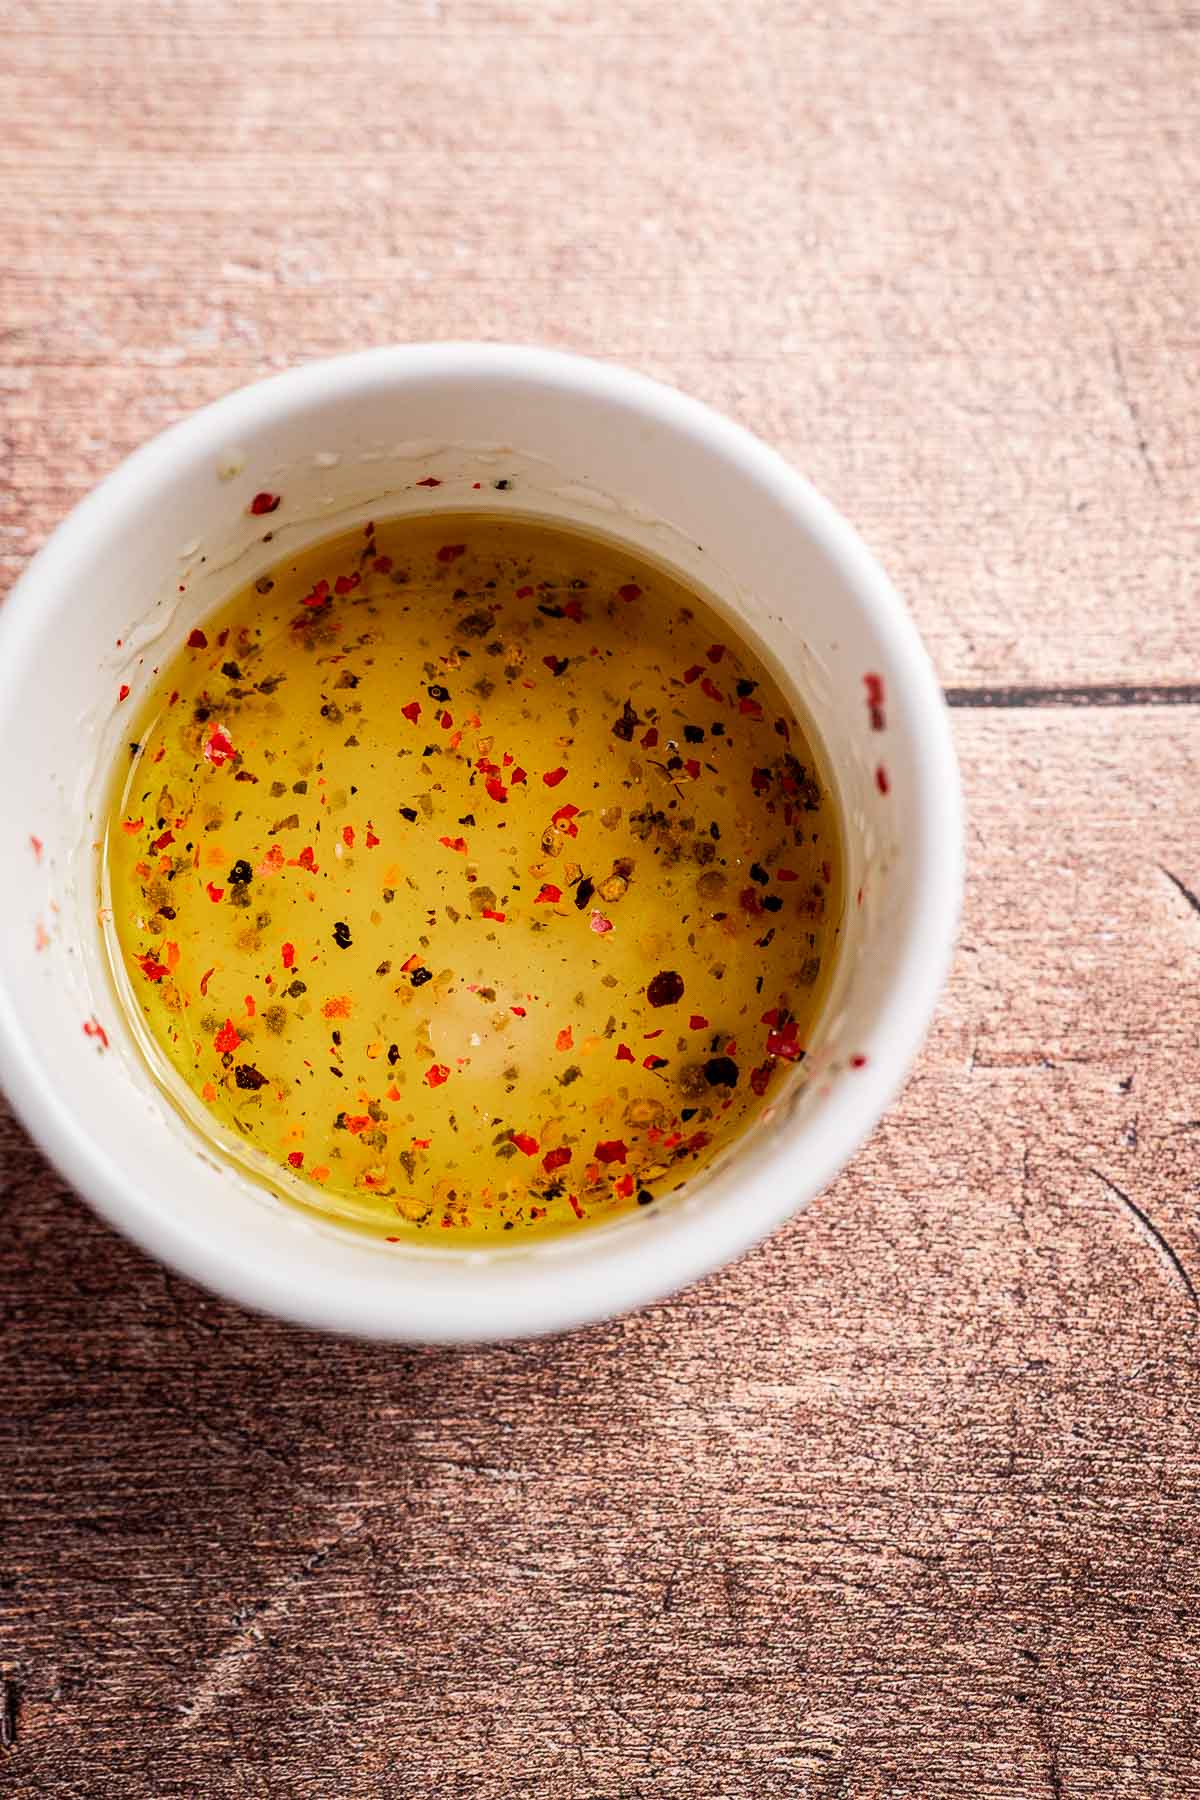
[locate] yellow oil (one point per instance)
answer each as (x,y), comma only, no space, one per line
(472,872)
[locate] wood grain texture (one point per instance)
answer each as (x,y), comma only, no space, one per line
(907,1503)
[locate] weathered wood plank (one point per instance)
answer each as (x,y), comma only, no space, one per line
(946,262)
(907,1503)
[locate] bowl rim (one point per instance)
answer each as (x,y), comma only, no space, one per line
(595,1284)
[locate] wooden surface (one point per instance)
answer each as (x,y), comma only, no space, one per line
(908,1502)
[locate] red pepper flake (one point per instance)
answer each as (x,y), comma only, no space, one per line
(451,552)
(358,1123)
(826,873)
(693,674)
(631,591)
(783,1042)
(296,1159)
(789,874)
(458,843)
(552,777)
(306,860)
(575,1206)
(429,481)
(227,1039)
(858,1061)
(219,747)
(699,1140)
(654,1062)
(565,1039)
(197,640)
(573,609)
(624,1053)
(600,925)
(222,637)
(348,836)
(697,1022)
(372,840)
(548,896)
(204,981)
(650,738)
(251,1009)
(412,712)
(123,693)
(132,826)
(152,969)
(519,1010)
(556,1159)
(337,1007)
(92,1028)
(346,584)
(709,688)
(760,780)
(750,707)
(496,789)
(612,1150)
(516,778)
(382,565)
(527,1145)
(263,503)
(214,893)
(874,687)
(160,843)
(881,779)
(272,862)
(318,597)
(436,1073)
(623,1187)
(693,768)
(523,593)
(715,652)
(498,916)
(445,720)
(761,1076)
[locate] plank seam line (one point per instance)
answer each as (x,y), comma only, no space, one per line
(1182,693)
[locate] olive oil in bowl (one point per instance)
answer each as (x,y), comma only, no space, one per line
(471,880)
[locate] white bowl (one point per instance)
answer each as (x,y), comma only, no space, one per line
(168,536)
